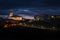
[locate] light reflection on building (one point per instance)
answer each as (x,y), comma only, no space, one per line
(9,25)
(6,26)
(14,17)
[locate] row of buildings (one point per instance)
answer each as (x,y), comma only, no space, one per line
(16,17)
(46,17)
(36,17)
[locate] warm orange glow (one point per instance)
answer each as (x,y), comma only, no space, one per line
(11,13)
(6,26)
(13,24)
(11,16)
(16,18)
(21,18)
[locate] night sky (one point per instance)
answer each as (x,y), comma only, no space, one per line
(28,3)
(30,7)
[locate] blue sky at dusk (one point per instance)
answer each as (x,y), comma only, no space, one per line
(30,7)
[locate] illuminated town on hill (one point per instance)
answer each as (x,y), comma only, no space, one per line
(42,21)
(26,19)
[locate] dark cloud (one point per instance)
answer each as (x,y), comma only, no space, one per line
(40,4)
(5,4)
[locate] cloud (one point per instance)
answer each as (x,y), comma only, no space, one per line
(31,11)
(26,16)
(6,4)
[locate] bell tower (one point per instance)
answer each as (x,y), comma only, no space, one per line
(11,12)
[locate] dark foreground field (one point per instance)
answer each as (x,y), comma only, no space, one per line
(24,32)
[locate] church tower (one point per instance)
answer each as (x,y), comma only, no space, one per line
(11,13)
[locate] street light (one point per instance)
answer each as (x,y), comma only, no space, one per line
(52,16)
(53,19)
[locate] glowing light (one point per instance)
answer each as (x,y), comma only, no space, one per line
(16,18)
(13,24)
(11,13)
(52,16)
(6,26)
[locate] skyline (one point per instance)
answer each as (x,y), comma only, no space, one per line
(30,7)
(21,17)
(31,11)
(24,16)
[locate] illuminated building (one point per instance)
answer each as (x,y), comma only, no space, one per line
(14,17)
(52,16)
(58,16)
(55,16)
(42,17)
(37,18)
(11,13)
